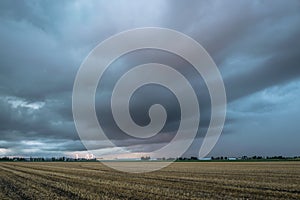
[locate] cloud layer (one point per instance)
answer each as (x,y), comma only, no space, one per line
(254,43)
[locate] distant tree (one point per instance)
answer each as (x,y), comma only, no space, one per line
(145,158)
(244,157)
(5,158)
(194,158)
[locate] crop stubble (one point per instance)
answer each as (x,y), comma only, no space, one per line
(186,180)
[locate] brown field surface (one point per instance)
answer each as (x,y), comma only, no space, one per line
(199,180)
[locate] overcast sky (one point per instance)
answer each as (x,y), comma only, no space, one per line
(255,45)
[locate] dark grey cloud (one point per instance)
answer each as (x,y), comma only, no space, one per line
(254,43)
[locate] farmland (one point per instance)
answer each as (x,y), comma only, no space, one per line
(184,180)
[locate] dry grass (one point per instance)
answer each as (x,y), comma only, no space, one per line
(202,180)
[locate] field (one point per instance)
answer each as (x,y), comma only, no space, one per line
(186,180)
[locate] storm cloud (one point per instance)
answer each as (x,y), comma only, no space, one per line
(255,45)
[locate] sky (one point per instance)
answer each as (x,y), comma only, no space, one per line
(255,45)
